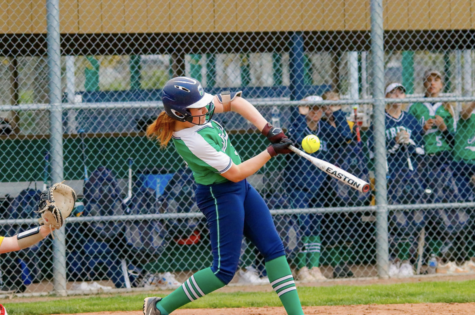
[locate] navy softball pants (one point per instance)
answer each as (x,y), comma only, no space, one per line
(234,210)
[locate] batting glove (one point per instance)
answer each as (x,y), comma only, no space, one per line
(280,148)
(275,135)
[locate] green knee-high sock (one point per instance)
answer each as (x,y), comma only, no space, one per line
(313,251)
(403,249)
(302,255)
(198,285)
(282,282)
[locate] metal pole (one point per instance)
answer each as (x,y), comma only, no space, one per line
(277,68)
(458,80)
(364,75)
(353,70)
(70,79)
(296,64)
(467,73)
(377,45)
(210,70)
(71,91)
(408,71)
(56,139)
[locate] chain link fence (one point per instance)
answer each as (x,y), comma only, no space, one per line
(81,81)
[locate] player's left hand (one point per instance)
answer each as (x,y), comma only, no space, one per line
(280,148)
(439,122)
(275,135)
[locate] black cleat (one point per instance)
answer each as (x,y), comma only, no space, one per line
(150,306)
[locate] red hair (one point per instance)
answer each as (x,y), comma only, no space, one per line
(161,129)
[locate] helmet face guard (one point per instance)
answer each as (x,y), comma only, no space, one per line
(187,117)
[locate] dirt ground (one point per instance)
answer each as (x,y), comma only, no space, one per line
(393,309)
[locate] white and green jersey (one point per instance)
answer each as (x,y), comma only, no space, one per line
(207,150)
(434,139)
(464,144)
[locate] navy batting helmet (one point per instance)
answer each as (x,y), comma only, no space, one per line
(182,93)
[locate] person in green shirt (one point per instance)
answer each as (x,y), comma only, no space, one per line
(438,124)
(232,207)
(464,170)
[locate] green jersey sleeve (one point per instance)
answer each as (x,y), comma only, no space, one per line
(207,150)
(203,151)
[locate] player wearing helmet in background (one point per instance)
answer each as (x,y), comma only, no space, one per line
(232,207)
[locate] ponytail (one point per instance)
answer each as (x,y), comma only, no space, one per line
(448,107)
(161,129)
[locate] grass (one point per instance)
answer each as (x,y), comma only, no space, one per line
(425,292)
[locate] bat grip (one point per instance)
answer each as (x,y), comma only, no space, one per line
(408,156)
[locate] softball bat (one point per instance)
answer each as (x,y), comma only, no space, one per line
(335,172)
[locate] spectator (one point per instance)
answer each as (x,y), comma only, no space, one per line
(464,171)
(343,226)
(403,146)
(305,193)
(438,123)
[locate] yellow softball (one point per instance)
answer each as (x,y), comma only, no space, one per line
(311,144)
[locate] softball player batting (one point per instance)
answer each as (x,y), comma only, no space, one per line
(232,207)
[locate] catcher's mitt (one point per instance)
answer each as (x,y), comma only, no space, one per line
(56,205)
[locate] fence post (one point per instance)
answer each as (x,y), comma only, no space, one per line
(377,46)
(467,73)
(296,67)
(354,88)
(56,139)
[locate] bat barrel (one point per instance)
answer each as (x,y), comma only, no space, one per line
(335,172)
